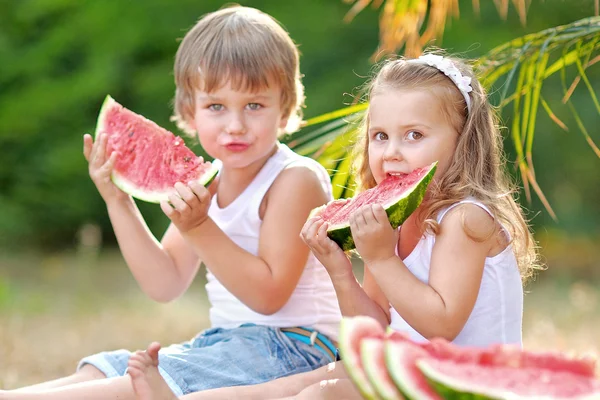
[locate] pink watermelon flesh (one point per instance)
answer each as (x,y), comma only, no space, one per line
(452,377)
(338,212)
(373,361)
(503,355)
(400,359)
(150,158)
(352,331)
(403,357)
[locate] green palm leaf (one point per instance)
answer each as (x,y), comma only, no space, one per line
(519,67)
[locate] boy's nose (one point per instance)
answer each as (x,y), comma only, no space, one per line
(236,125)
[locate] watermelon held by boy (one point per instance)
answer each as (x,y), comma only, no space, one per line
(399,195)
(150,158)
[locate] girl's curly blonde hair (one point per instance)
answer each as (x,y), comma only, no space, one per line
(477,167)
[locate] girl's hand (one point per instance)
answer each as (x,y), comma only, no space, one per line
(100,167)
(373,234)
(333,258)
(188,207)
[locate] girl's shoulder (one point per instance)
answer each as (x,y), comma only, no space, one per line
(477,221)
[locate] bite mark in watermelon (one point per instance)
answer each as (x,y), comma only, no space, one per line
(150,158)
(399,195)
(352,331)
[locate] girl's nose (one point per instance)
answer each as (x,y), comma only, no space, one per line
(236,124)
(393,151)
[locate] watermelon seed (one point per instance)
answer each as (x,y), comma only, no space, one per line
(187,159)
(130,134)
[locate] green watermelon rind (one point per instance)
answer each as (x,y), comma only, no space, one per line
(451,388)
(398,371)
(124,184)
(373,370)
(357,375)
(156,197)
(398,210)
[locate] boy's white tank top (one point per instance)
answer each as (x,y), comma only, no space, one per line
(498,311)
(313,302)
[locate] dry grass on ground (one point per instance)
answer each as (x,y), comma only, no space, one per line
(56,309)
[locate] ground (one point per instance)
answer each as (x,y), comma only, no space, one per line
(56,309)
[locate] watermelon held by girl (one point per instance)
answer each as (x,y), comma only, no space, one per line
(399,195)
(151,159)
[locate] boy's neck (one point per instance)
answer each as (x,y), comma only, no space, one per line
(233,181)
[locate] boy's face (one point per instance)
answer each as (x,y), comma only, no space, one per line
(238,127)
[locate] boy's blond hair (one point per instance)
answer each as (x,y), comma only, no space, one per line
(244,46)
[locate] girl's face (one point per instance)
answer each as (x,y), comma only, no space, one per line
(239,127)
(408,130)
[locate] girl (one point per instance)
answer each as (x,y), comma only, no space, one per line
(273,307)
(456,266)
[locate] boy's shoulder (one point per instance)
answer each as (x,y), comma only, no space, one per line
(303,174)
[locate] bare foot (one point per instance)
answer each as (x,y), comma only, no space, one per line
(146,380)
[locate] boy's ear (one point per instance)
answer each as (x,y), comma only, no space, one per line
(283,122)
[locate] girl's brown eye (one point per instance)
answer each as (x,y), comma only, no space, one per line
(414,135)
(380,136)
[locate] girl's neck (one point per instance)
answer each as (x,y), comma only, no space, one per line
(233,181)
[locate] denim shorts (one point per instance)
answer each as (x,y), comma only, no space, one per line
(217,357)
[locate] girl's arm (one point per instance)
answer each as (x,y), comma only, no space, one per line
(352,298)
(442,307)
(264,282)
(162,271)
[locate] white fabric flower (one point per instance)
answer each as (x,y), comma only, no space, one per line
(445,65)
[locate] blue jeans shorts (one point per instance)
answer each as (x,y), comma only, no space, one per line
(217,357)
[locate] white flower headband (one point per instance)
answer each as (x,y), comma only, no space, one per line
(463,83)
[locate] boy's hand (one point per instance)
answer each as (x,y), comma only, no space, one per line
(373,234)
(188,207)
(333,258)
(100,167)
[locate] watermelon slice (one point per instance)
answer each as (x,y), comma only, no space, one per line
(352,331)
(466,380)
(151,159)
(401,358)
(373,362)
(399,196)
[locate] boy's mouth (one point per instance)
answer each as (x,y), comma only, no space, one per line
(237,146)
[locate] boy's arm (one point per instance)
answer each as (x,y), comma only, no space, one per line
(265,282)
(163,271)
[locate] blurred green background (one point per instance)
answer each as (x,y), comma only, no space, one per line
(60,272)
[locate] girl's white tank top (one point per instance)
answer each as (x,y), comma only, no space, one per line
(498,311)
(313,302)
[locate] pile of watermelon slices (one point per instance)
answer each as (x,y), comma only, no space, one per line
(388,365)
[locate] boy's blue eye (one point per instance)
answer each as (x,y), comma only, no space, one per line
(216,107)
(380,136)
(254,106)
(414,135)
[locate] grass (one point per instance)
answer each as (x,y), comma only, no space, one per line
(56,309)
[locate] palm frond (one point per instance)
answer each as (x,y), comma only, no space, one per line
(532,59)
(402,22)
(519,67)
